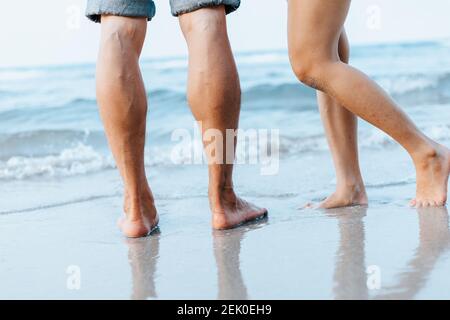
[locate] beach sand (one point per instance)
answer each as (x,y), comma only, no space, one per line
(385,251)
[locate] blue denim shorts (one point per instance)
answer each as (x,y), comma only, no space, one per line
(146,8)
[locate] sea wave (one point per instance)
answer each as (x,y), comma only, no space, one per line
(408,89)
(420,89)
(45,142)
(82,157)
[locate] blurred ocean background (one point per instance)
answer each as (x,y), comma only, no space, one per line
(50,127)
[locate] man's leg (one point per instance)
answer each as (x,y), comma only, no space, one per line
(123,107)
(318,24)
(214,97)
(341,129)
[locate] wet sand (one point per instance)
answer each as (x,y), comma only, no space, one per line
(294,254)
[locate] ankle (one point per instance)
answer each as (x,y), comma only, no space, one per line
(143,196)
(425,156)
(134,212)
(353,183)
(219,191)
(134,205)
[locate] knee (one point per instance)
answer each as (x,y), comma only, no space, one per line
(120,33)
(306,66)
(206,22)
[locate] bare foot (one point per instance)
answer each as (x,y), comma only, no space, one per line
(139,220)
(343,197)
(432,178)
(230,211)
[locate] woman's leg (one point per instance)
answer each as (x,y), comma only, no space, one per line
(123,108)
(215,99)
(341,129)
(315,27)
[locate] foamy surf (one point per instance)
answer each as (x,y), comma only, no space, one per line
(78,160)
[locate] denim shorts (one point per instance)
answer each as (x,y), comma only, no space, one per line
(146,8)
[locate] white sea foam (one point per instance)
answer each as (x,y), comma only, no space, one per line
(80,159)
(84,159)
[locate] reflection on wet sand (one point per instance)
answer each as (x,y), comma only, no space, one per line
(434,241)
(227,248)
(350,271)
(350,278)
(143,254)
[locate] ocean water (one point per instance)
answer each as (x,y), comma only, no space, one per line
(50,127)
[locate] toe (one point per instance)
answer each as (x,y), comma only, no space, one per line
(423,204)
(254,212)
(413,203)
(258,213)
(309,205)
